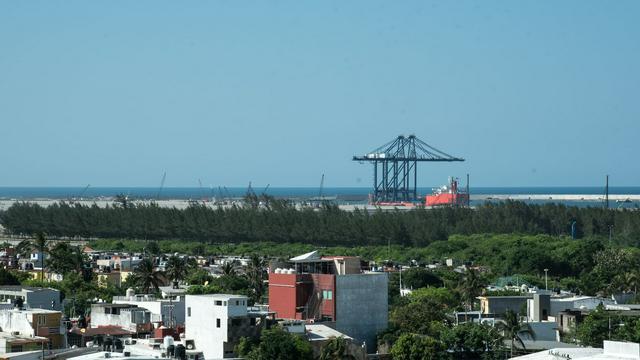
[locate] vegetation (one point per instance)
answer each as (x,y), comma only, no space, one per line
(513,330)
(280,222)
(276,344)
(146,277)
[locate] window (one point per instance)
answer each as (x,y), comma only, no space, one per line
(327,294)
(218,302)
(189,311)
(217,323)
(237,302)
(42,319)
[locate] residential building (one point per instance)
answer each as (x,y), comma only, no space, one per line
(32,297)
(215,323)
(10,342)
(499,305)
(332,289)
(170,309)
(567,320)
(32,323)
(612,350)
(577,302)
(129,317)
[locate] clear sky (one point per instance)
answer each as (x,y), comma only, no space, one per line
(531,93)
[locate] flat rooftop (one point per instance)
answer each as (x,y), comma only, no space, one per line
(220,296)
(19,288)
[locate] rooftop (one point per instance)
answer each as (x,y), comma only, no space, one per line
(32,311)
(24,339)
(613,350)
(101,330)
(220,296)
(23,288)
(319,332)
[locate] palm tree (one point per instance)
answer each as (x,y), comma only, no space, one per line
(336,349)
(512,328)
(471,287)
(24,248)
(255,274)
(627,282)
(229,268)
(146,276)
(176,268)
(40,243)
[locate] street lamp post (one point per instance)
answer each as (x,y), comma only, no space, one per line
(546,285)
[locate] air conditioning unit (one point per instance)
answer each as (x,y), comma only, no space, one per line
(15,333)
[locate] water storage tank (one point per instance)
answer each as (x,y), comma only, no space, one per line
(290,271)
(278,271)
(130,293)
(167,341)
(181,352)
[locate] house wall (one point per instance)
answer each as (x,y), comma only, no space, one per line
(558,305)
(362,306)
(283,295)
(161,310)
(52,328)
(499,305)
(201,326)
(43,299)
(26,323)
(321,283)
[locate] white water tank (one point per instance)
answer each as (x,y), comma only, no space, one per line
(278,271)
(130,293)
(291,271)
(167,341)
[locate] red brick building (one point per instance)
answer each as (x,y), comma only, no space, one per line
(333,289)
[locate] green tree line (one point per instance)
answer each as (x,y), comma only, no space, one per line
(282,222)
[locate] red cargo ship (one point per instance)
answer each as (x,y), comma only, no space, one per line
(448,195)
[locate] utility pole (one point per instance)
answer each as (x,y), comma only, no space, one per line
(606,193)
(610,233)
(468,193)
(546,285)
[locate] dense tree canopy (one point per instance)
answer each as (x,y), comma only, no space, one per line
(283,222)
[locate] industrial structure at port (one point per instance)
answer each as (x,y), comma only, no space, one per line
(395,169)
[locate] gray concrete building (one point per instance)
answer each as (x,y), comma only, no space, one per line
(33,297)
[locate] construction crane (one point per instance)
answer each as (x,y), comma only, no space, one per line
(164,177)
(202,196)
(321,187)
(264,192)
(84,191)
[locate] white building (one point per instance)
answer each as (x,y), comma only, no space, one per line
(577,302)
(129,317)
(613,350)
(170,310)
(23,329)
(215,323)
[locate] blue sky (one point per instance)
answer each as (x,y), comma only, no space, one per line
(111,93)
